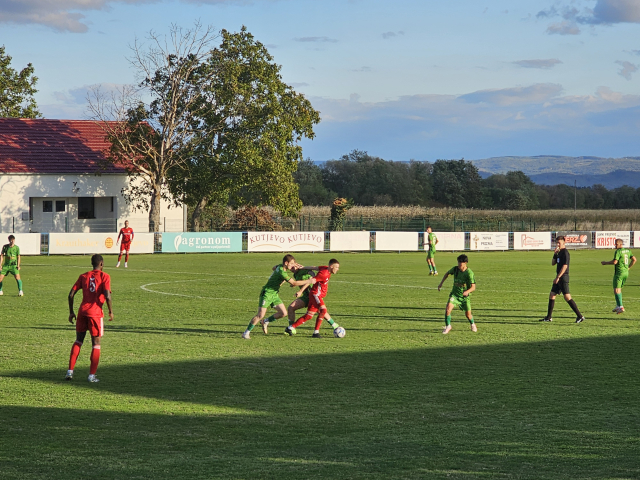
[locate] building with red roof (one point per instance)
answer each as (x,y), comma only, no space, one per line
(54,177)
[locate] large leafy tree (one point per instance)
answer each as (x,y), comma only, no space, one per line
(17,89)
(456,183)
(247,147)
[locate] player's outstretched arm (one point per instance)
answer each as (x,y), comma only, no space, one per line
(443,279)
(471,289)
(299,283)
(72,295)
(107,297)
(610,262)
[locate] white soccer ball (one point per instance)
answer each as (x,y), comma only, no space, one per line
(339,332)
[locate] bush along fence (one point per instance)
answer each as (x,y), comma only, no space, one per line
(314,241)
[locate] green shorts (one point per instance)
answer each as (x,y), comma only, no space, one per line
(463,303)
(10,269)
(620,280)
(269,298)
(431,253)
(305,299)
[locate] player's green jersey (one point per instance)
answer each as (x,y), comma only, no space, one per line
(461,280)
(278,276)
(431,239)
(10,255)
(304,274)
(623,256)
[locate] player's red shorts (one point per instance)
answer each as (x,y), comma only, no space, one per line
(315,303)
(125,247)
(95,325)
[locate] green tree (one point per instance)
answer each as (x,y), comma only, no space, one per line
(311,186)
(456,183)
(250,125)
(17,89)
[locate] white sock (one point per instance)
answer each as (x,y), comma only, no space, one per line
(316,331)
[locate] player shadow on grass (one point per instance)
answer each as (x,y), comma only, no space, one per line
(478,409)
(134,329)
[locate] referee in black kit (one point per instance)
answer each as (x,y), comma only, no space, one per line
(561,283)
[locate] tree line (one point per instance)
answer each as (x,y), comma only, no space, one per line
(370,180)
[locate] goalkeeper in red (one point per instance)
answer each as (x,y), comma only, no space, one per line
(464,283)
(96,290)
(623,260)
(320,285)
(126,234)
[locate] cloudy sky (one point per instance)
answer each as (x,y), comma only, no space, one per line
(401,79)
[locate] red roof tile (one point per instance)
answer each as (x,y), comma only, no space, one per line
(52,146)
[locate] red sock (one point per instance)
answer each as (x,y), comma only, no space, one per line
(75,351)
(119,257)
(319,321)
(95,358)
(301,320)
(126,259)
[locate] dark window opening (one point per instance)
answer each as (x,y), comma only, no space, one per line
(47,206)
(60,205)
(86,208)
(112,202)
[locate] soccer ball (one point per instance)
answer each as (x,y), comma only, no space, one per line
(339,332)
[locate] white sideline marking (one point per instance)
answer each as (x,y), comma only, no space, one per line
(144,287)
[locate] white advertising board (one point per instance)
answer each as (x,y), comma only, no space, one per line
(29,243)
(489,241)
(397,241)
(531,240)
(349,241)
(608,239)
(90,243)
(448,241)
(285,241)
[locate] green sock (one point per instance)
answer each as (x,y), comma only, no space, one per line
(0,286)
(471,320)
(270,319)
(447,320)
(250,327)
(19,284)
(618,299)
(331,322)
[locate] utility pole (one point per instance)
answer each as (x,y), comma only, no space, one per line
(575,195)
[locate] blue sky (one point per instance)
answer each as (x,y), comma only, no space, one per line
(400,79)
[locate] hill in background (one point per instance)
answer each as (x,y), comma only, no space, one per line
(553,169)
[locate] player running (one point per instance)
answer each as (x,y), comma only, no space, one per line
(127,237)
(561,259)
(432,241)
(96,289)
(464,283)
(302,295)
(623,260)
(316,298)
(10,261)
(269,295)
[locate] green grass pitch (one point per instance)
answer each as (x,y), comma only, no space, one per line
(182,395)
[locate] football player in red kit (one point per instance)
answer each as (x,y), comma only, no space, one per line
(320,284)
(127,236)
(96,290)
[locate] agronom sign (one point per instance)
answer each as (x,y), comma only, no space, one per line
(201,242)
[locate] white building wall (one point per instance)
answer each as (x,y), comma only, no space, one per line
(16,189)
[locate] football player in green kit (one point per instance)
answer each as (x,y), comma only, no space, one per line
(10,261)
(432,240)
(269,295)
(464,282)
(623,260)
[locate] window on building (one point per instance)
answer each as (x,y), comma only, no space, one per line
(47,206)
(112,202)
(86,208)
(60,205)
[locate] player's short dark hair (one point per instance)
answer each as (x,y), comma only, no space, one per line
(11,237)
(560,237)
(619,240)
(332,261)
(96,260)
(287,258)
(463,258)
(428,227)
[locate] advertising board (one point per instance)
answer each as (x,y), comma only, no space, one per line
(397,241)
(349,241)
(608,239)
(285,241)
(90,243)
(453,241)
(202,242)
(29,243)
(489,241)
(532,240)
(576,239)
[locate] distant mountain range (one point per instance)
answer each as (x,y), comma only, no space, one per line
(552,170)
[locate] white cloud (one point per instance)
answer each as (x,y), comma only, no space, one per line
(616,11)
(388,35)
(538,63)
(627,69)
(605,12)
(563,28)
(315,40)
(538,93)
